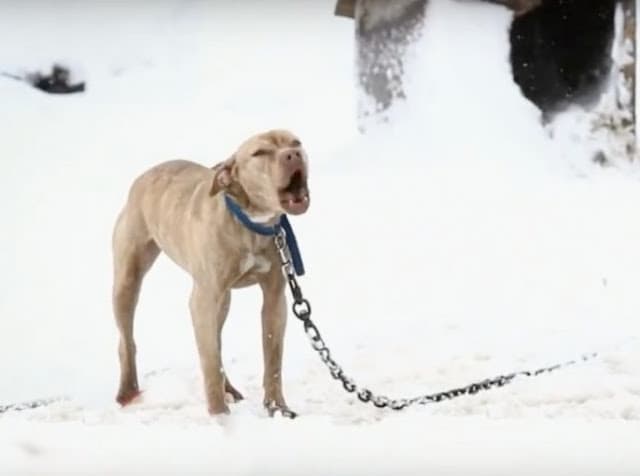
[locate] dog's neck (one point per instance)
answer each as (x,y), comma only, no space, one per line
(256,215)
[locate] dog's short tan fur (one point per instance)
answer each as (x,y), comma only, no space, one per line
(177,207)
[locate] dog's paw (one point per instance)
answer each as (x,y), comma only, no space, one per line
(274,409)
(285,412)
(126,397)
(219,409)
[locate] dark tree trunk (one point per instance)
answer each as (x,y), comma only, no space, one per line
(384,30)
(629,69)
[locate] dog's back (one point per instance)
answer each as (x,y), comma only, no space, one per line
(162,206)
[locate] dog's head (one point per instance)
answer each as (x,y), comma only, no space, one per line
(269,171)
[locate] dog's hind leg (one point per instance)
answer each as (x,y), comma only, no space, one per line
(134,253)
(231,390)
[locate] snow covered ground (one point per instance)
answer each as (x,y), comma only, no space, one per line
(455,244)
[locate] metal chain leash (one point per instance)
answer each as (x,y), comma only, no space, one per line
(30,405)
(302,310)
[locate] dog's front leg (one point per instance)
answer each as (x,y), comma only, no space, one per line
(274,318)
(207,307)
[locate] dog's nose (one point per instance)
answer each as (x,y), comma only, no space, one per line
(293,155)
(290,157)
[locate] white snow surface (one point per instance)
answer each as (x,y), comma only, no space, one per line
(456,243)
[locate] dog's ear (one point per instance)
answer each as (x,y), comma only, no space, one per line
(223,175)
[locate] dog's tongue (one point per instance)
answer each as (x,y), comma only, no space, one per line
(288,197)
(295,202)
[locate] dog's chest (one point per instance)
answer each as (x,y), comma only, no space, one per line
(252,267)
(254,263)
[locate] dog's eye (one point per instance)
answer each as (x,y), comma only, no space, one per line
(260,152)
(296,143)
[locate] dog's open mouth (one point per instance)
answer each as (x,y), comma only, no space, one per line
(294,198)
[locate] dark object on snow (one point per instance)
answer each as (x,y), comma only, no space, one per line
(57,82)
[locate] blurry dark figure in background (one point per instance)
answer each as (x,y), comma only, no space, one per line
(560,52)
(56,83)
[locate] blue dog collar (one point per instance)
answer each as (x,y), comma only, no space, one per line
(267,230)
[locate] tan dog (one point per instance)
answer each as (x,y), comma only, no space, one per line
(177,207)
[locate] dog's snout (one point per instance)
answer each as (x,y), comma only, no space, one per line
(291,157)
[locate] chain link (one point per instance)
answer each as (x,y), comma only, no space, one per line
(18,407)
(302,310)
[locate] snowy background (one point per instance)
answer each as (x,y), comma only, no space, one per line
(457,243)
